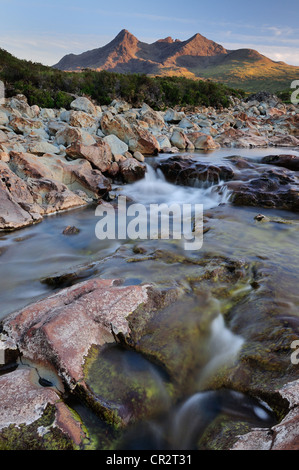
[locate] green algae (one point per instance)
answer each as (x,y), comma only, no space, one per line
(24,437)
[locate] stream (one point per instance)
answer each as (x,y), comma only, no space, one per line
(224,346)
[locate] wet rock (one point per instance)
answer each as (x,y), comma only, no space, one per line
(185,170)
(69,230)
(131,170)
(284,141)
(34,417)
(277,188)
(286,161)
(86,314)
(283,436)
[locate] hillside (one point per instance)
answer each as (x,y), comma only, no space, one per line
(197,57)
(52,88)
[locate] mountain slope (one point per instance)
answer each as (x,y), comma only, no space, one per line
(197,57)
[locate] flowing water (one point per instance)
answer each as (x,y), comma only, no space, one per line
(231,330)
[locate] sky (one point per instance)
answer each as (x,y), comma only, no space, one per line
(45,31)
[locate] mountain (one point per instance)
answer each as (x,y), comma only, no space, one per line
(198,57)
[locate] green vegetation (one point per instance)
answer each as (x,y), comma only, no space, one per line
(53,88)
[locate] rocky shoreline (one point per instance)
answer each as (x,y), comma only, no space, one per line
(56,160)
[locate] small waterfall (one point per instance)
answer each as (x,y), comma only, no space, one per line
(154,189)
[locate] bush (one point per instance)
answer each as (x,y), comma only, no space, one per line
(51,88)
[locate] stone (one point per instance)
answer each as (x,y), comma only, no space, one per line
(187,171)
(99,154)
(69,230)
(206,143)
(47,113)
(131,170)
(4,120)
(139,157)
(84,104)
(180,140)
(69,135)
(41,148)
(86,314)
(25,126)
(117,146)
(30,411)
(173,117)
(82,120)
(286,161)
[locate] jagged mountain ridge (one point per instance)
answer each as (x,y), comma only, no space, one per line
(197,57)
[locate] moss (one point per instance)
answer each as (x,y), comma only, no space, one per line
(27,437)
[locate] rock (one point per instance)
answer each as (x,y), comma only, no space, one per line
(206,143)
(55,126)
(164,142)
(82,120)
(4,157)
(153,118)
(69,230)
(180,140)
(86,314)
(78,174)
(120,106)
(47,114)
(287,161)
(131,170)
(34,417)
(4,120)
(69,135)
(25,126)
(143,142)
(41,148)
(185,123)
(275,188)
(85,105)
(283,436)
(99,154)
(184,170)
(14,198)
(136,138)
(284,141)
(117,146)
(173,117)
(139,157)
(242,139)
(53,196)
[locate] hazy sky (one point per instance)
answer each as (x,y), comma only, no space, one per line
(45,31)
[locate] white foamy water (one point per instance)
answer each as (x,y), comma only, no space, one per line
(154,189)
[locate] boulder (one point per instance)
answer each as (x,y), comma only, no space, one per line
(67,135)
(286,161)
(131,170)
(24,126)
(40,148)
(85,105)
(82,120)
(173,117)
(99,154)
(117,146)
(34,417)
(180,140)
(187,171)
